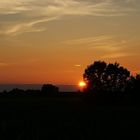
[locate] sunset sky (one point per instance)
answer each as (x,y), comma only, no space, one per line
(52,41)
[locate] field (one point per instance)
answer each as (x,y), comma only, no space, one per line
(66,117)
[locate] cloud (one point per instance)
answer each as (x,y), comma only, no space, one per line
(77,65)
(33,12)
(26,27)
(110,46)
(88,40)
(3,64)
(101,42)
(117,55)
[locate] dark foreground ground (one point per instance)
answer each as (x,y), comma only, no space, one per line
(66,118)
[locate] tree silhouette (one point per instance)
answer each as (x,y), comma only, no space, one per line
(49,89)
(136,83)
(101,76)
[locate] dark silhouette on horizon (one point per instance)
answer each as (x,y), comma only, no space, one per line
(50,90)
(103,77)
(111,83)
(108,108)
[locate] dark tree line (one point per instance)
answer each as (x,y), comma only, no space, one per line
(46,89)
(102,79)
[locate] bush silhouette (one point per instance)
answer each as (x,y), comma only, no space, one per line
(49,89)
(102,77)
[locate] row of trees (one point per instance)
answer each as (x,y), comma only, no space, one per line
(101,79)
(46,89)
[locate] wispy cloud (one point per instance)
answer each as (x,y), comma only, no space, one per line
(77,65)
(26,27)
(111,46)
(34,12)
(2,64)
(88,40)
(117,55)
(102,42)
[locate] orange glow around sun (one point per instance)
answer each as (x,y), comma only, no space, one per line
(82,84)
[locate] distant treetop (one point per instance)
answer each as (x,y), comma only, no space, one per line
(49,89)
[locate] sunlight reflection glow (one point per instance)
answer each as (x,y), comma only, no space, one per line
(82,84)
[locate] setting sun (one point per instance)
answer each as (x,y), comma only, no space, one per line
(82,84)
